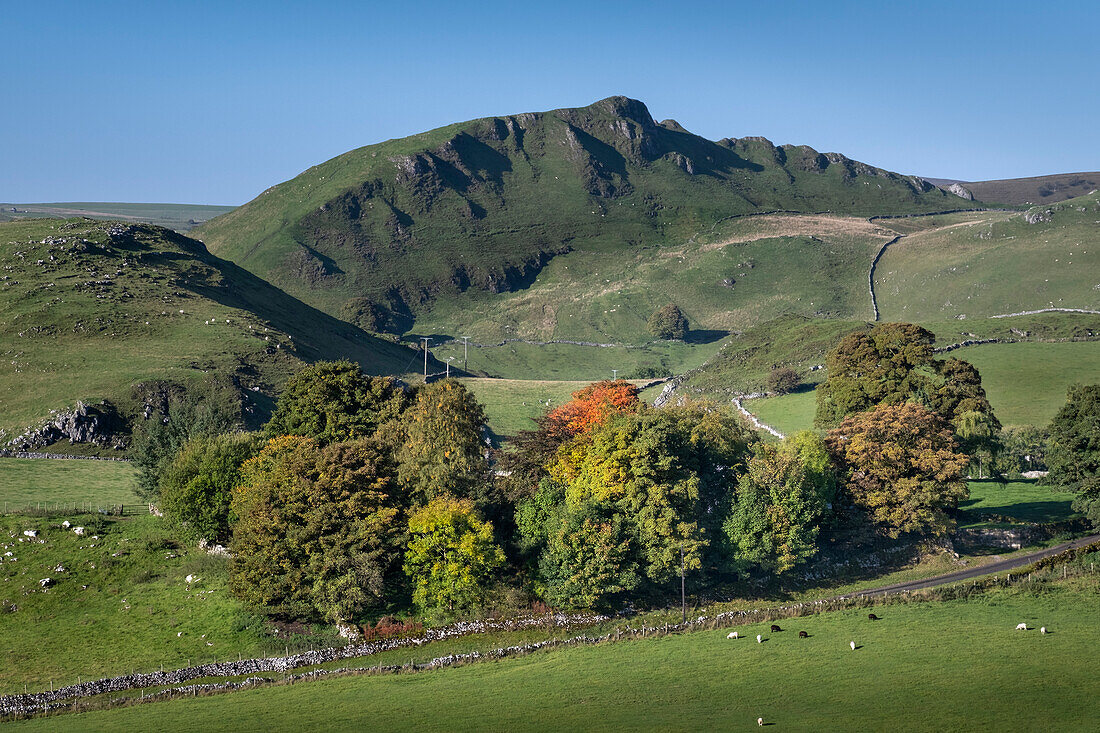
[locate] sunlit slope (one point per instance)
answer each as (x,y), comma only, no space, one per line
(379,234)
(89,308)
(995,263)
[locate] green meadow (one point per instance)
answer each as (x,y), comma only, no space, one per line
(27,483)
(906,673)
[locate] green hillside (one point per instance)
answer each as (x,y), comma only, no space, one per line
(87,309)
(380,234)
(993,264)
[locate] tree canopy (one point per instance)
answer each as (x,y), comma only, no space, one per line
(450,557)
(318,527)
(1074,456)
(331,401)
(901,467)
(668,322)
(894,363)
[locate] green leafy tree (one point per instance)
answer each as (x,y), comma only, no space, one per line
(668,322)
(663,475)
(902,467)
(197,488)
(1022,448)
(1074,457)
(783,380)
(451,556)
(332,401)
(587,562)
(777,513)
(317,529)
(443,453)
(894,363)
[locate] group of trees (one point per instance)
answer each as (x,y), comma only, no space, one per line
(362,493)
(358,490)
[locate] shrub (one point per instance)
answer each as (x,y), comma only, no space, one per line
(783,380)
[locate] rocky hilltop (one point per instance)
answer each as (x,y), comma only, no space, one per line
(375,234)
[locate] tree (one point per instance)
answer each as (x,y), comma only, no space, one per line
(777,512)
(443,453)
(1074,457)
(901,467)
(318,528)
(662,476)
(869,368)
(331,401)
(175,415)
(894,363)
(197,488)
(668,322)
(592,406)
(450,557)
(783,380)
(587,562)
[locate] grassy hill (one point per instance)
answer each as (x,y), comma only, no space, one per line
(1031,191)
(994,263)
(180,217)
(87,309)
(380,234)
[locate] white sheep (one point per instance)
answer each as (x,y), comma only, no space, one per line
(852,644)
(760,721)
(79,531)
(759,640)
(65,524)
(1042,629)
(30,532)
(1021,627)
(731,635)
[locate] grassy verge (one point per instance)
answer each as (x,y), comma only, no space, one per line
(1019,501)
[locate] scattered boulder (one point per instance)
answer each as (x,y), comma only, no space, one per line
(961,191)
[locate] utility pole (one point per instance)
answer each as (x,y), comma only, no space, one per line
(614,374)
(465,351)
(426,340)
(449,360)
(683,595)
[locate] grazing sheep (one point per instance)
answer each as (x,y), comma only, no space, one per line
(1021,627)
(30,532)
(873,617)
(79,531)
(759,640)
(803,635)
(1042,629)
(775,627)
(760,721)
(731,635)
(852,644)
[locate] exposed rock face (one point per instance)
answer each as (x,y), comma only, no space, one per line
(1038,217)
(82,424)
(961,191)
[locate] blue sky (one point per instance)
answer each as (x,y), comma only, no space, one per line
(206,102)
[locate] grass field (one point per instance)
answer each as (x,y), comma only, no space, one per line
(1023,501)
(995,264)
(906,674)
(1026,382)
(135,603)
(181,217)
(26,482)
(786,413)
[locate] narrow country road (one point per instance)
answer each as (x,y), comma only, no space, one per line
(967,574)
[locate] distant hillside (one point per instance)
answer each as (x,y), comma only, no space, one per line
(180,217)
(1030,191)
(380,233)
(993,263)
(88,308)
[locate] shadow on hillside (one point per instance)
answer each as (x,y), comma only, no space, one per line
(704,336)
